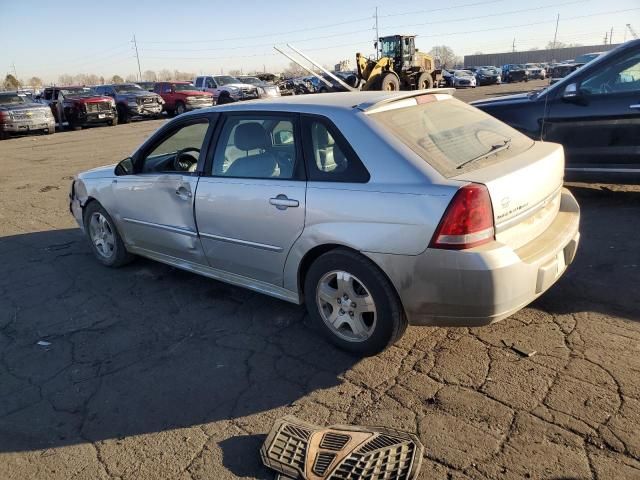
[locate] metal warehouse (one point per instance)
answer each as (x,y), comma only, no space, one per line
(534,56)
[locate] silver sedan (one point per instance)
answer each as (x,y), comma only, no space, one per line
(376,209)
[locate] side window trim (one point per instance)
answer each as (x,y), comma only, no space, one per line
(313,174)
(299,173)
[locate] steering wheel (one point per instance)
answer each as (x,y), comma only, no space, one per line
(183,161)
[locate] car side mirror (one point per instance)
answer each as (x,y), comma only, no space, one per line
(573,94)
(283,137)
(125,167)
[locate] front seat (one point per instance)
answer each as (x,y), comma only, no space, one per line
(247,137)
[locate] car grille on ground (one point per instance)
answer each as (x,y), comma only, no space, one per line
(298,450)
(95,107)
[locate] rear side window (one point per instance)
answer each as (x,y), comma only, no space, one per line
(330,157)
(199,81)
(450,135)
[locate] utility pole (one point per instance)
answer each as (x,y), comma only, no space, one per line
(606,36)
(135,44)
(377,36)
(513,45)
(611,36)
(555,39)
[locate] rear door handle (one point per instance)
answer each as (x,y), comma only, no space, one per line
(636,105)
(184,193)
(281,202)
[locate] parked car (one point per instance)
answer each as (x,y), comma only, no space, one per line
(132,101)
(463,79)
(295,86)
(560,71)
(19,114)
(148,86)
(265,90)
(594,113)
(535,71)
(587,57)
(226,86)
(391,217)
(514,73)
(79,107)
(487,76)
(180,97)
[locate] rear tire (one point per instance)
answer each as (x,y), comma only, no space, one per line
(425,81)
(106,244)
(378,319)
(180,109)
(389,82)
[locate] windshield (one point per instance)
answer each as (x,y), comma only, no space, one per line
(11,99)
(463,73)
(181,87)
(449,133)
(250,80)
(226,80)
(487,71)
(74,91)
(127,88)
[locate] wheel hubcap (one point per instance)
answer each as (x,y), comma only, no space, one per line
(346,306)
(102,235)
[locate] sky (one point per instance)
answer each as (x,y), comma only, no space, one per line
(50,38)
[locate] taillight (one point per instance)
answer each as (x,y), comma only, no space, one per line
(468,220)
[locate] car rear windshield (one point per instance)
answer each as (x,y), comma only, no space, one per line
(10,98)
(451,136)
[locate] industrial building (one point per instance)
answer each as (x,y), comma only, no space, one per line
(534,56)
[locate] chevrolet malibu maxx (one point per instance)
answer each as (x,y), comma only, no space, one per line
(376,209)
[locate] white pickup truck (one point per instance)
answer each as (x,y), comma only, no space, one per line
(226,86)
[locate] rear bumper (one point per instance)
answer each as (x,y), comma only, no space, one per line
(485,284)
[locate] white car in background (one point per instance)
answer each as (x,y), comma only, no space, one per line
(225,88)
(535,70)
(463,79)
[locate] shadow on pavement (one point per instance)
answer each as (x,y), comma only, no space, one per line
(606,271)
(141,349)
(240,456)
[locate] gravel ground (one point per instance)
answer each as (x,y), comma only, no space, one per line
(149,372)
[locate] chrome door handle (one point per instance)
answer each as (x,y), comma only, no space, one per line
(281,202)
(636,105)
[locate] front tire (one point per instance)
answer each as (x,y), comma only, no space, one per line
(353,302)
(389,82)
(425,81)
(114,120)
(123,114)
(106,243)
(180,109)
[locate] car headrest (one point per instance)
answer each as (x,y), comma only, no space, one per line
(250,136)
(321,136)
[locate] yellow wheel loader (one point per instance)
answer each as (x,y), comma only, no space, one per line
(400,67)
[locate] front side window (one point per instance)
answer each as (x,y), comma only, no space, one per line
(256,147)
(199,82)
(620,77)
(179,151)
(209,83)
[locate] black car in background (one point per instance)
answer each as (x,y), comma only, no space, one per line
(558,72)
(514,72)
(487,76)
(594,113)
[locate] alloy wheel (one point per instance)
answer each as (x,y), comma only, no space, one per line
(102,235)
(346,306)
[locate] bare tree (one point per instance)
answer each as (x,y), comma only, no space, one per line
(131,78)
(11,82)
(558,44)
(444,56)
(294,70)
(164,75)
(235,73)
(183,76)
(117,79)
(65,79)
(149,76)
(35,82)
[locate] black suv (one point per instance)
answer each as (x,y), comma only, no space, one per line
(594,113)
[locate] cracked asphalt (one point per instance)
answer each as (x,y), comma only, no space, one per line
(148,372)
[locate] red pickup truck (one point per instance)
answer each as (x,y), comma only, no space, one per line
(180,97)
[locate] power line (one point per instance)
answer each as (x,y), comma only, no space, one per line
(441,9)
